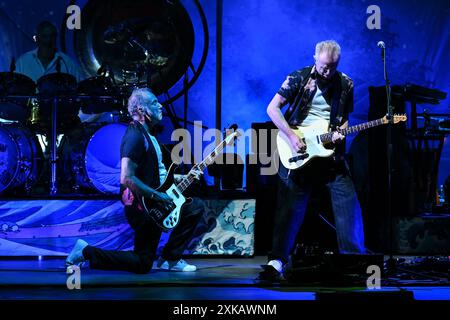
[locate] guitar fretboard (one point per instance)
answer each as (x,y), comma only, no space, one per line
(186,182)
(327,137)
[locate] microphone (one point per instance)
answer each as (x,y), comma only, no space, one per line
(382,46)
(12,66)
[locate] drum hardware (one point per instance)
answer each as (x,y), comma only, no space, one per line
(79,179)
(20,157)
(53,87)
(76,169)
(53,157)
(25,167)
(58,90)
(24,164)
(46,146)
(35,118)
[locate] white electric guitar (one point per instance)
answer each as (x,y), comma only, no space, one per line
(317,138)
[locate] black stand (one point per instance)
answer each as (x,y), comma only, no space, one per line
(53,157)
(390,263)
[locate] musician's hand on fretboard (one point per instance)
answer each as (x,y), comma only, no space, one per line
(196,173)
(337,136)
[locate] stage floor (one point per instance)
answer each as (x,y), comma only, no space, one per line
(215,279)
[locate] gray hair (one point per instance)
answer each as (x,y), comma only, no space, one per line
(140,97)
(329,46)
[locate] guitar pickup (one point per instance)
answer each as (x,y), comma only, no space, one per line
(175,193)
(299,157)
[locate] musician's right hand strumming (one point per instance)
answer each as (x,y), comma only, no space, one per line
(162,198)
(297,143)
(128,178)
(274,112)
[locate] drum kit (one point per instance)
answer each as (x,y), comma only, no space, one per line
(44,146)
(61,137)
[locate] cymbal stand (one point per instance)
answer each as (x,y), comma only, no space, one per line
(53,156)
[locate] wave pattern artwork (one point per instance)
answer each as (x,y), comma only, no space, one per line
(51,227)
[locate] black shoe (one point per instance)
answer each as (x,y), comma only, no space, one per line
(270,274)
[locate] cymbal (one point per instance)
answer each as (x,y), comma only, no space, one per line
(154,39)
(16,83)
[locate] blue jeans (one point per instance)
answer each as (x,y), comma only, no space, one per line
(294,191)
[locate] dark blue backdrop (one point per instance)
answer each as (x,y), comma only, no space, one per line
(263,40)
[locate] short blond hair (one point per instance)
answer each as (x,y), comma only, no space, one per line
(329,46)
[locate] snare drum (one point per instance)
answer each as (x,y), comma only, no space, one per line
(91,155)
(21,157)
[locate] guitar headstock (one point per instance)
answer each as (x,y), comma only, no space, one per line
(231,134)
(397,118)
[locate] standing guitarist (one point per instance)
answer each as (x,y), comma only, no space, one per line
(142,171)
(314,93)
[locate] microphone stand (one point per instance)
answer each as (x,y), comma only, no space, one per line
(12,66)
(390,263)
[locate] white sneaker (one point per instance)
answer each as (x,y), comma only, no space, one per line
(277,264)
(76,255)
(180,265)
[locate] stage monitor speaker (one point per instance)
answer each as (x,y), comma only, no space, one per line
(230,171)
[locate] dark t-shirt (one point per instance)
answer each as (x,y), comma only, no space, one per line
(137,146)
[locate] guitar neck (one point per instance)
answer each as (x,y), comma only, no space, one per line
(326,137)
(186,182)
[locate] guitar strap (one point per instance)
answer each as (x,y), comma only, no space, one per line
(336,105)
(127,197)
(299,100)
(337,114)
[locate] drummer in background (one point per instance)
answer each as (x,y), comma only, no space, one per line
(44,59)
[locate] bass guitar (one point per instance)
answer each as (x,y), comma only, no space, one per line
(168,217)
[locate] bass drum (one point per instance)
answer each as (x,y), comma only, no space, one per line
(91,155)
(20,157)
